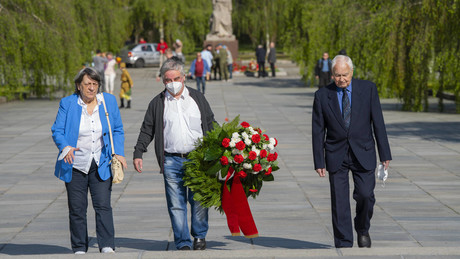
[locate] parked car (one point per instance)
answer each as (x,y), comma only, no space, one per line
(140,55)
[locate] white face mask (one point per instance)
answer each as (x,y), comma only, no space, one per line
(174,87)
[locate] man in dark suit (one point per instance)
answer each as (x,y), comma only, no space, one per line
(347,121)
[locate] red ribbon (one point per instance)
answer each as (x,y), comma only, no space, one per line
(236,207)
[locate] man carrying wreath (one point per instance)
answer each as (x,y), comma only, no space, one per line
(177,118)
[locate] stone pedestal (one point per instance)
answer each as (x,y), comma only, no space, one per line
(231,42)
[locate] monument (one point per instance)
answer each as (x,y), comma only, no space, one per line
(221,30)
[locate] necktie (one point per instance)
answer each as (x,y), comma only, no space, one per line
(346,108)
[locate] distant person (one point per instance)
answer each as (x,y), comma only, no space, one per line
(223,69)
(109,73)
(206,54)
(229,62)
(260,55)
(142,41)
(162,47)
(343,52)
(216,63)
(126,85)
(323,70)
(81,134)
(199,69)
(178,49)
(99,64)
(272,58)
(347,123)
(176,133)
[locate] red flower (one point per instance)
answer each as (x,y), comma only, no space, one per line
(253,190)
(240,145)
(224,160)
(252,155)
(242,174)
(269,171)
(226,119)
(263,153)
(245,124)
(266,137)
(276,156)
(257,167)
(255,138)
(238,159)
(276,142)
(271,157)
(226,142)
(259,130)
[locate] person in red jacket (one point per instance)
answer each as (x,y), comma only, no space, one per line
(162,47)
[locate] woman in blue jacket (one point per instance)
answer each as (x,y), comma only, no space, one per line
(81,134)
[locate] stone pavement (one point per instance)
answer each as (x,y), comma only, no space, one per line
(417,214)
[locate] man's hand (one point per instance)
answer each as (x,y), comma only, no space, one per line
(386,164)
(321,172)
(137,162)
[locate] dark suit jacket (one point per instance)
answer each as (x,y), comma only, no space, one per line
(331,140)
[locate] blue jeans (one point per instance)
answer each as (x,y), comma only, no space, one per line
(230,70)
(200,80)
(77,196)
(176,197)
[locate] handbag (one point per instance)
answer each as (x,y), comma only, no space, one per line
(115,164)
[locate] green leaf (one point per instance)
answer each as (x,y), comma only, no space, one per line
(212,154)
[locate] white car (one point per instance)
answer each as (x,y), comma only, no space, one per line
(140,55)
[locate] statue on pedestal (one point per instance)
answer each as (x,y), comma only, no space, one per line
(221,21)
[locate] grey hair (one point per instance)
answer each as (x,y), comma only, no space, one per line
(173,63)
(91,73)
(342,58)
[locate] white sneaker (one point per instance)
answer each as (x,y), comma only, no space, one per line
(106,250)
(80,252)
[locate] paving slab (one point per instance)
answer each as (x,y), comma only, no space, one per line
(417,213)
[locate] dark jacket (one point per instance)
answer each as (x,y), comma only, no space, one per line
(272,55)
(260,54)
(331,140)
(319,66)
(152,127)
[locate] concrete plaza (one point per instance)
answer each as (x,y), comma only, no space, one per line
(417,214)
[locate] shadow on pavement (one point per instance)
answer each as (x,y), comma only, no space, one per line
(280,242)
(443,131)
(33,249)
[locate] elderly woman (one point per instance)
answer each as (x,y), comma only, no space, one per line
(81,134)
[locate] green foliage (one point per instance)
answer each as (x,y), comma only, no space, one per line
(403,46)
(43,44)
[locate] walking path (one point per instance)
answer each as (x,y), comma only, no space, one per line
(417,214)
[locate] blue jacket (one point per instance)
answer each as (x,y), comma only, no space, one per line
(205,67)
(331,141)
(66,129)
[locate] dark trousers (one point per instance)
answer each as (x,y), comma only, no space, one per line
(77,196)
(261,69)
(272,67)
(363,194)
(324,79)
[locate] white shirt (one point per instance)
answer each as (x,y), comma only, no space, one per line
(90,139)
(182,123)
(110,67)
(207,55)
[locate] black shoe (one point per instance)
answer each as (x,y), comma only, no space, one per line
(199,244)
(184,248)
(364,240)
(129,104)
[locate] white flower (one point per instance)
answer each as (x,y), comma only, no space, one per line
(232,143)
(255,150)
(272,141)
(235,135)
(247,141)
(247,166)
(245,135)
(271,147)
(264,146)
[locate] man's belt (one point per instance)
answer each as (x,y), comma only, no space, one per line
(177,154)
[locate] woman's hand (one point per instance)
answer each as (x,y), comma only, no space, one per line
(70,157)
(123,161)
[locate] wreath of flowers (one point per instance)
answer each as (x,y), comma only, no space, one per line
(229,149)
